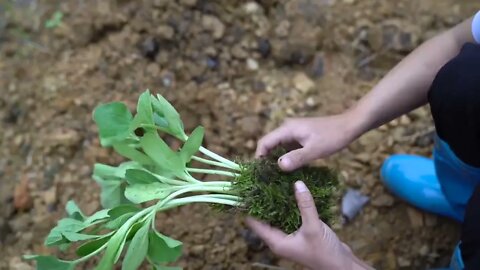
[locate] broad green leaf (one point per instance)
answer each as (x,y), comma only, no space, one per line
(74,236)
(50,263)
(162,154)
(91,246)
(136,176)
(164,109)
(55,237)
(113,121)
(119,221)
(122,209)
(162,248)
(132,154)
(114,248)
(73,211)
(144,115)
(192,144)
(140,193)
(137,250)
(112,192)
(99,215)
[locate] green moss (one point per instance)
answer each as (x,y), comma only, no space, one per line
(269,195)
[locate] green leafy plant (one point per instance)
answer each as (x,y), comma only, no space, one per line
(165,178)
(55,20)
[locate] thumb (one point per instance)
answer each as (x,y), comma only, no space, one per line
(295,159)
(306,205)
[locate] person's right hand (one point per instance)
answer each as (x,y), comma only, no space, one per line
(310,138)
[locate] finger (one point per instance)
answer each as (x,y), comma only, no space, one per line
(296,158)
(272,139)
(306,205)
(271,236)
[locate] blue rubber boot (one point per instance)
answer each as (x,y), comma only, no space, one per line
(413,179)
(456,263)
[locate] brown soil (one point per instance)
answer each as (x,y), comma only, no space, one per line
(237,68)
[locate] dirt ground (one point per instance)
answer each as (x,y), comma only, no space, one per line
(236,67)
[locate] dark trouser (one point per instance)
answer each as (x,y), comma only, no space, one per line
(470,238)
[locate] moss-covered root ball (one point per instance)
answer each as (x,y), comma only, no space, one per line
(268,192)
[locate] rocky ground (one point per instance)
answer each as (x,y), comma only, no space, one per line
(236,67)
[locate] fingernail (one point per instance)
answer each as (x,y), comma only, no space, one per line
(300,186)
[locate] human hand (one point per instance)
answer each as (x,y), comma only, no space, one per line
(310,138)
(314,245)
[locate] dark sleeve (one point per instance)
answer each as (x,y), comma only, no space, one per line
(470,237)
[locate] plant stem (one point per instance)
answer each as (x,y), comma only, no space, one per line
(208,171)
(199,198)
(169,181)
(214,163)
(217,157)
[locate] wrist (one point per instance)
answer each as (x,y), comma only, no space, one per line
(357,122)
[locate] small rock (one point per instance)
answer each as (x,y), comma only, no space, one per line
(238,52)
(22,199)
(302,82)
(424,250)
(149,48)
(253,241)
(317,66)
(64,137)
(165,32)
(383,200)
(16,263)
(252,7)
(252,64)
(198,250)
(311,102)
(251,126)
(50,196)
(188,3)
(250,144)
(403,262)
(168,79)
(416,217)
(282,29)
(20,223)
(264,47)
(431,220)
(214,25)
(4,229)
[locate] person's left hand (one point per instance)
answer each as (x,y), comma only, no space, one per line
(314,245)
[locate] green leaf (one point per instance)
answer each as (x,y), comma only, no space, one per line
(55,20)
(55,237)
(144,115)
(50,263)
(119,221)
(137,250)
(135,176)
(140,193)
(164,109)
(73,211)
(74,236)
(192,144)
(99,215)
(92,246)
(122,209)
(112,192)
(114,249)
(132,154)
(113,121)
(162,248)
(162,154)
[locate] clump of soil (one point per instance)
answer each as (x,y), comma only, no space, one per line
(269,195)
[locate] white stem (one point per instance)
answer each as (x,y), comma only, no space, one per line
(217,172)
(217,157)
(214,163)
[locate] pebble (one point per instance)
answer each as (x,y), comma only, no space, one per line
(317,66)
(149,48)
(415,217)
(264,47)
(214,25)
(252,64)
(384,200)
(302,82)
(165,32)
(22,199)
